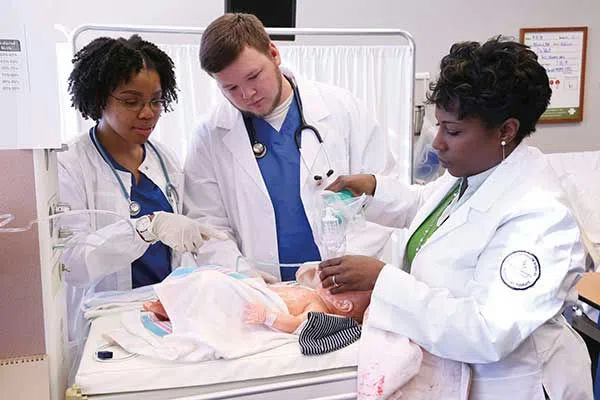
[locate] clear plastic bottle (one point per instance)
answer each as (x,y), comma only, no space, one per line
(333,232)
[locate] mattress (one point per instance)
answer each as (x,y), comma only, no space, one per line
(140,373)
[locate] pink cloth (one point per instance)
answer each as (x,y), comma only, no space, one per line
(390,366)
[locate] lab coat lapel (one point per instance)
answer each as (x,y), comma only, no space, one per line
(237,141)
(315,111)
(499,182)
(458,218)
(433,201)
(152,169)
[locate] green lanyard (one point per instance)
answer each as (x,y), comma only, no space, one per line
(427,228)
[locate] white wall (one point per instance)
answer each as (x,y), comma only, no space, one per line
(137,12)
(435,25)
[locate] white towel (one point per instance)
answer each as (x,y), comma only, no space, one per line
(205,306)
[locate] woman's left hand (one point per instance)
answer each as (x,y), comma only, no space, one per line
(350,273)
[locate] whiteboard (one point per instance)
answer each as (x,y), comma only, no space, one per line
(562,52)
(29,107)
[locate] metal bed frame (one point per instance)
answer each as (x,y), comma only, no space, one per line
(326,385)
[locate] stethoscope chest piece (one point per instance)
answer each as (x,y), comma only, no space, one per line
(134,208)
(259,150)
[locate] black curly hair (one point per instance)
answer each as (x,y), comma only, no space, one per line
(493,81)
(105,63)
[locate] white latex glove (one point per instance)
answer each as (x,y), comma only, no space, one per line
(267,277)
(180,232)
(245,267)
(308,274)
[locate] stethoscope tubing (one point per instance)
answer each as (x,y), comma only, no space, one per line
(170,190)
(297,133)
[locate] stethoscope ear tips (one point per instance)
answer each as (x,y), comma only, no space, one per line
(319,178)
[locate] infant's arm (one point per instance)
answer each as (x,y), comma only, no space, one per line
(257,313)
(157,308)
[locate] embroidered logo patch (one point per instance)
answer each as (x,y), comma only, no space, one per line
(520,270)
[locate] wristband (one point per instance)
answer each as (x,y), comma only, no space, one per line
(270,319)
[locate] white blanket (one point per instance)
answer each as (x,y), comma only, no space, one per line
(205,306)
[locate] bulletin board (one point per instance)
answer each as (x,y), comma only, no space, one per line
(562,51)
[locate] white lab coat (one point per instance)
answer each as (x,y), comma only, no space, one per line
(455,304)
(111,243)
(225,188)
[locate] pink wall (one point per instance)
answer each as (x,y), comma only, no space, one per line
(21,313)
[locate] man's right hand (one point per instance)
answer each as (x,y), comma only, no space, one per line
(357,184)
(182,233)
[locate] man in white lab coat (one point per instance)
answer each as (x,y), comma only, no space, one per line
(252,174)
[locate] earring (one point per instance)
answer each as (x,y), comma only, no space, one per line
(503,144)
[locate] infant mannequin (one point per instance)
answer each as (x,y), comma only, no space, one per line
(299,301)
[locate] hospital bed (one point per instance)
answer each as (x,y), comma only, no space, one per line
(279,373)
(282,372)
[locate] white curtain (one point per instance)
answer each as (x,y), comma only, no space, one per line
(377,75)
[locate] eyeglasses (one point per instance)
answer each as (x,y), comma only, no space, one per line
(137,104)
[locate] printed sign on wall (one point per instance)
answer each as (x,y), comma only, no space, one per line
(12,66)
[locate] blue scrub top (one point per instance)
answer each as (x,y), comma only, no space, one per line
(155,264)
(280,169)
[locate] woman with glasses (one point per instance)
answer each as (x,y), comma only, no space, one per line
(124,85)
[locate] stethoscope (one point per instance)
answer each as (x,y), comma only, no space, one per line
(134,207)
(260,149)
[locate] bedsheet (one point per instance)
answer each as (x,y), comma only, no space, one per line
(142,373)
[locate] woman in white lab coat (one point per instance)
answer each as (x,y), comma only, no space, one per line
(123,85)
(494,253)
